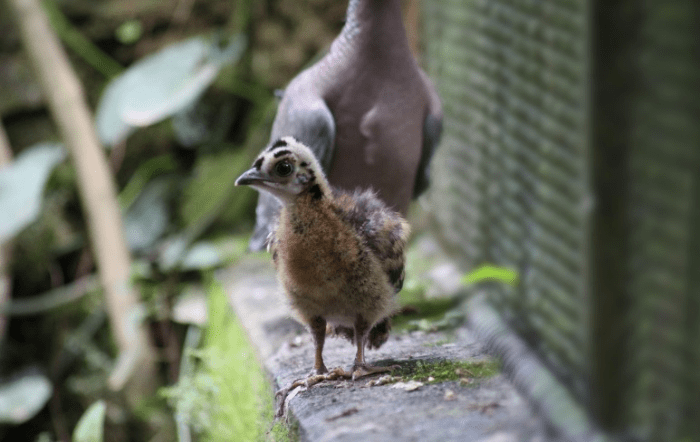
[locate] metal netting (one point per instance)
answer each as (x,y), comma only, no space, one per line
(663,205)
(533,92)
(510,182)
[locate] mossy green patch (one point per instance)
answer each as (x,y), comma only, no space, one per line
(225,396)
(284,432)
(431,372)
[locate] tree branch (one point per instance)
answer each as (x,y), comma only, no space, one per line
(6,248)
(52,299)
(69,109)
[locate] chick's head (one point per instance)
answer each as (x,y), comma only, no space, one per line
(286,169)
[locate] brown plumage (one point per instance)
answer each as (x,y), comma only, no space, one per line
(339,255)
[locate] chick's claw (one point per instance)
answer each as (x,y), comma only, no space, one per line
(334,374)
(363,370)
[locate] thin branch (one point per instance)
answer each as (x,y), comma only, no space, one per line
(5,149)
(66,100)
(6,248)
(52,299)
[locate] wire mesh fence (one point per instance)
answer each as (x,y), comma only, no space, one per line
(571,152)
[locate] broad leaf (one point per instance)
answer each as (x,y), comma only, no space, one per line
(147,217)
(173,251)
(161,85)
(90,427)
(22,398)
(22,185)
(191,306)
(202,255)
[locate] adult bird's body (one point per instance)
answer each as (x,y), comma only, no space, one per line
(339,255)
(367,111)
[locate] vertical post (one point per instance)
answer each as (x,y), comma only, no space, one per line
(612,84)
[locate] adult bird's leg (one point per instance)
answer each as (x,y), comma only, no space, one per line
(361,368)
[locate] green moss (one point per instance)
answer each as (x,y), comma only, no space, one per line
(284,432)
(223,396)
(445,370)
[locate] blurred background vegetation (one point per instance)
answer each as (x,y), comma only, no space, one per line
(183,94)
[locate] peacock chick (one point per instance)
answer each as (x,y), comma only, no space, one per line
(339,255)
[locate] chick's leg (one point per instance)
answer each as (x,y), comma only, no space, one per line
(321,373)
(361,368)
(318,330)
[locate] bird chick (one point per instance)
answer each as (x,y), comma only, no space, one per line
(339,255)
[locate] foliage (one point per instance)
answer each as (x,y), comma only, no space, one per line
(90,427)
(22,185)
(161,85)
(428,313)
(211,183)
(74,39)
(488,272)
(147,218)
(179,211)
(222,397)
(22,397)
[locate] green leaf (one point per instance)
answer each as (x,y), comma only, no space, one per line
(161,85)
(79,43)
(147,219)
(211,187)
(190,307)
(488,272)
(22,185)
(202,255)
(145,172)
(90,427)
(22,398)
(174,248)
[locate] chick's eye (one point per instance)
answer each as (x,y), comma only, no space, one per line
(283,168)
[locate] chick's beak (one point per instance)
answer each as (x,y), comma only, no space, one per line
(251,176)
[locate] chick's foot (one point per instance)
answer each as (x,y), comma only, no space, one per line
(363,370)
(313,379)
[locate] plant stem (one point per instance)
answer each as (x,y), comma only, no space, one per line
(66,100)
(5,249)
(82,46)
(51,299)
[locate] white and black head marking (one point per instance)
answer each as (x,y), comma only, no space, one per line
(286,169)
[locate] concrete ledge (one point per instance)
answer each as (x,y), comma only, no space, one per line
(489,411)
(551,399)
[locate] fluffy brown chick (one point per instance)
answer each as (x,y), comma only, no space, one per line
(339,255)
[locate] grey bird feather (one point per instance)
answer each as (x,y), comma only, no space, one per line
(367,111)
